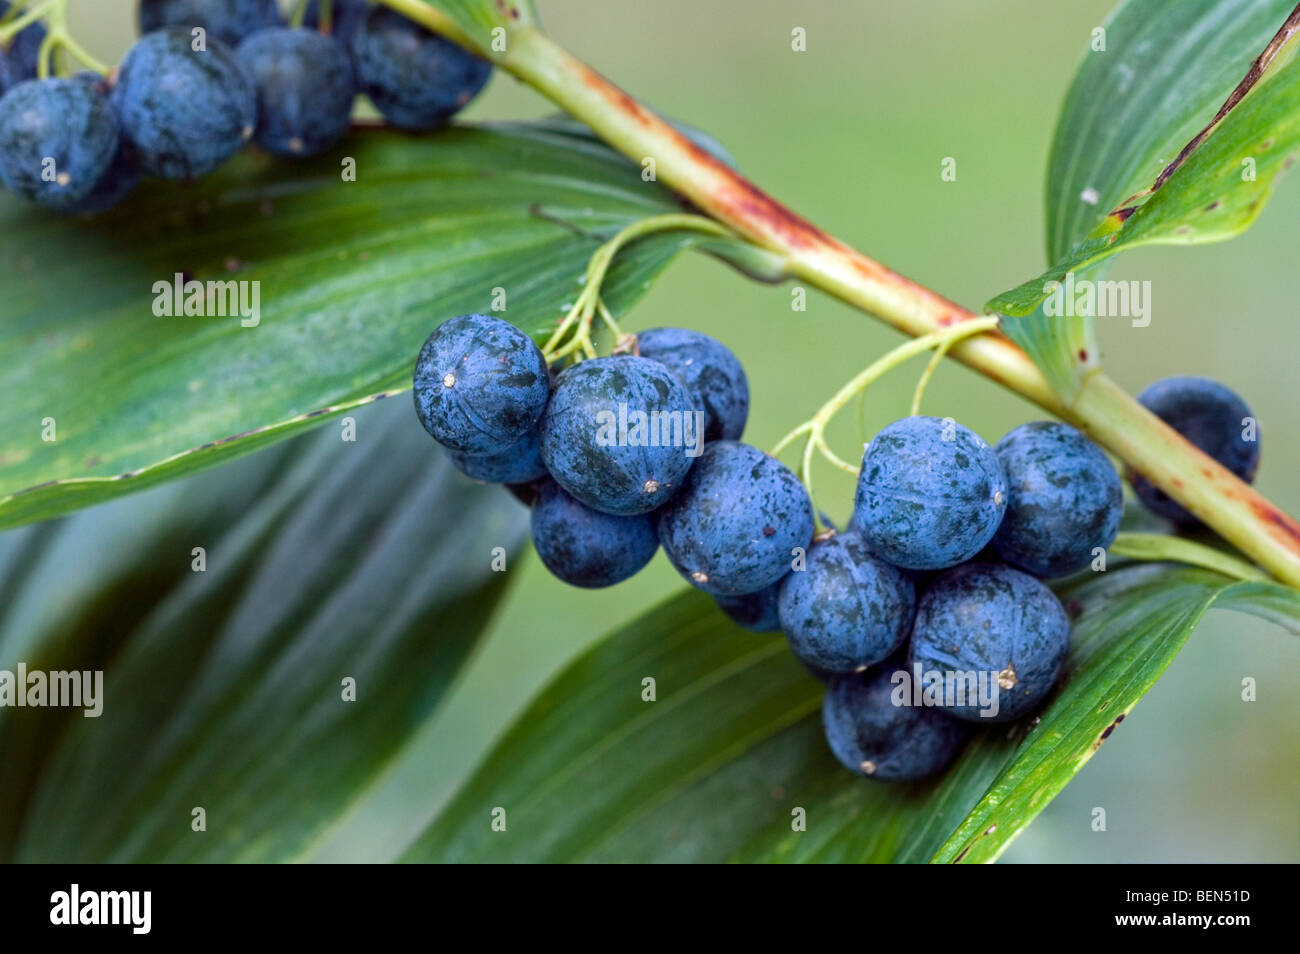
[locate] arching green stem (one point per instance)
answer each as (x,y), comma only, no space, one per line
(573,336)
(927,374)
(814,429)
(18,19)
(299,13)
(56,37)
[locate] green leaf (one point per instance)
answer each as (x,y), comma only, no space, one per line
(1064,347)
(224,689)
(715,768)
(1168,65)
(589,757)
(1141,157)
(109,567)
(353,276)
(1207,199)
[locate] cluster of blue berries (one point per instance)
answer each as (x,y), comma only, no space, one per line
(618,455)
(938,577)
(928,613)
(206,77)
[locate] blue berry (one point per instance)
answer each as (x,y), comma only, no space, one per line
(480,385)
(1064,499)
(930,494)
(347,14)
(417,79)
(57,139)
(304,89)
(227,20)
(871,735)
(585,547)
(998,623)
(846,609)
(737,522)
(520,463)
(619,433)
(117,182)
(709,370)
(754,611)
(184,111)
(123,173)
(1213,418)
(19,62)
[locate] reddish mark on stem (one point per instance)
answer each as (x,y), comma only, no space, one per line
(620,100)
(731,197)
(1274,517)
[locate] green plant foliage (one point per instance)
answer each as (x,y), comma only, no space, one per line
(1166,67)
(717,766)
(353,276)
(326,559)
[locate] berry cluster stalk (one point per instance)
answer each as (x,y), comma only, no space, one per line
(1107,413)
(573,336)
(55,12)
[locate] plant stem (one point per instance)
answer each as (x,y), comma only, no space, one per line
(1210,491)
(58,28)
(814,429)
(927,374)
(888,362)
(79,52)
(58,35)
(1102,409)
(18,23)
(298,13)
(577,323)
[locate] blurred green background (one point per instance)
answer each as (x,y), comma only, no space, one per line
(852,133)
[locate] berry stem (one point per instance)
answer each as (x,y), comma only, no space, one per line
(1155,547)
(927,374)
(815,427)
(1107,413)
(58,23)
(58,36)
(574,333)
(609,321)
(299,14)
(79,52)
(16,22)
